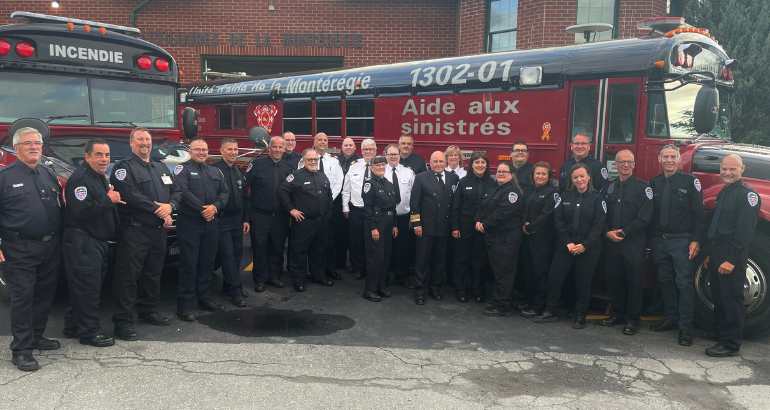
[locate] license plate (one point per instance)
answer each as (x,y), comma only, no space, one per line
(173,250)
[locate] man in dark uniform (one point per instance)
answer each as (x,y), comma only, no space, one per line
(151,194)
(730,233)
(431,207)
(341,225)
(580,149)
(522,167)
(307,195)
(233,221)
(629,211)
(30,247)
(269,220)
(92,219)
(676,232)
(204,194)
(412,161)
(289,155)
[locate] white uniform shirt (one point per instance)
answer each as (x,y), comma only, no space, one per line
(332,170)
(405,184)
(460,171)
(354,182)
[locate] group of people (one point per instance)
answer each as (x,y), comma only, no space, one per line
(383,212)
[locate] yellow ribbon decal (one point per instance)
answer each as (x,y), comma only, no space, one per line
(546,130)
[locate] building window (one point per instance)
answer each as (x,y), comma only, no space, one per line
(232,117)
(597,11)
(502,23)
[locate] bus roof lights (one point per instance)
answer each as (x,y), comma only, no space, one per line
(70,26)
(5,48)
(44,18)
(659,64)
(24,49)
(161,64)
(87,28)
(102,30)
(144,62)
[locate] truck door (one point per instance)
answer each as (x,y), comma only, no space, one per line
(585,105)
(621,120)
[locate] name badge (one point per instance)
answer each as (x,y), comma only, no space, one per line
(307,183)
(18,185)
(166,179)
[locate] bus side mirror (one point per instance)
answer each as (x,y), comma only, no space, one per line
(259,137)
(39,125)
(190,122)
(706,109)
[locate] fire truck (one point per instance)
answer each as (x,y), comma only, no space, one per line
(670,87)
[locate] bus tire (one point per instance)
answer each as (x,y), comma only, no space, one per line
(5,290)
(757,321)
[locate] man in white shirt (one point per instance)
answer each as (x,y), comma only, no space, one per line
(402,179)
(353,205)
(454,159)
(330,166)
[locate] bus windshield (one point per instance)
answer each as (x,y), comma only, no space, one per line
(115,103)
(671,113)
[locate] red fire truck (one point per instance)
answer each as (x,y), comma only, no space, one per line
(672,87)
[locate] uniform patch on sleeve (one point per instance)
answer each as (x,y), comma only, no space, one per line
(290,178)
(753,199)
(178,169)
(81,192)
(605,173)
(697,184)
(250,166)
(604,206)
(121,174)
(557,199)
(367,187)
(512,197)
(648,191)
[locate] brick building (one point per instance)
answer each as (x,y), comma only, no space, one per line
(267,37)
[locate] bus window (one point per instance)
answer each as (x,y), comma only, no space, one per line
(232,117)
(584,110)
(239,117)
(43,95)
(657,123)
(225,117)
(298,117)
(622,113)
(148,105)
(359,118)
(679,113)
(328,115)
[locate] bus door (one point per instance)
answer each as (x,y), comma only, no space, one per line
(585,107)
(620,126)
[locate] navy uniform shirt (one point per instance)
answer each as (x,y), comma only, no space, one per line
(30,204)
(308,192)
(261,178)
(414,162)
(501,209)
(523,176)
(634,208)
(599,173)
(292,158)
(737,221)
(238,198)
(469,192)
(201,185)
(539,210)
(593,211)
(346,162)
(139,189)
(379,198)
(685,206)
(89,208)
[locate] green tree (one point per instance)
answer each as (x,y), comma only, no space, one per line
(742,27)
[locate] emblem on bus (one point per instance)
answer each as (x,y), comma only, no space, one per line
(546,130)
(265,116)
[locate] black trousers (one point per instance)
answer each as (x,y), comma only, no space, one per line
(268,237)
(429,263)
(341,235)
(308,247)
(197,250)
(402,257)
(230,252)
(503,250)
(537,253)
(378,255)
(138,265)
(31,269)
(468,257)
(358,259)
(85,263)
(330,258)
(625,263)
(584,265)
(727,293)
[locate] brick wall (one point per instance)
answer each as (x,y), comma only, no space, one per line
(470,26)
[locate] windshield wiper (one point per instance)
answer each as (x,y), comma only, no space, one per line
(65,116)
(116,122)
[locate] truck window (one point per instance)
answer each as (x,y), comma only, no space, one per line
(657,122)
(359,118)
(708,160)
(328,115)
(298,117)
(232,117)
(622,113)
(584,111)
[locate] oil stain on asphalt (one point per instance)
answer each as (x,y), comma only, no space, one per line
(268,322)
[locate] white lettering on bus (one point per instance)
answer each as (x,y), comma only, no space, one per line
(84,53)
(435,126)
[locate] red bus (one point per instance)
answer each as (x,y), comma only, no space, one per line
(672,87)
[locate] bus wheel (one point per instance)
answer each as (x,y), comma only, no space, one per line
(755,290)
(5,291)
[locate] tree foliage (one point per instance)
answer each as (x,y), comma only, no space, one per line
(742,27)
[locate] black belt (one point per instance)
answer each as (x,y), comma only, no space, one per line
(134,222)
(356,208)
(389,213)
(267,213)
(223,213)
(12,236)
(672,235)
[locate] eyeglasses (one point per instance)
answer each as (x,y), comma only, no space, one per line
(625,162)
(28,144)
(503,172)
(581,144)
(520,151)
(392,155)
(369,149)
(381,164)
(199,150)
(311,160)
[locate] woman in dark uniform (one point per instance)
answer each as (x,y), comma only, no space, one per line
(379,229)
(579,221)
(470,251)
(537,249)
(499,218)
